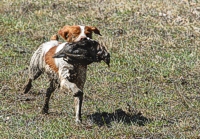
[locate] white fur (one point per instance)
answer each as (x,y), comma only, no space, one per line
(60,46)
(82,34)
(58,61)
(48,45)
(77,111)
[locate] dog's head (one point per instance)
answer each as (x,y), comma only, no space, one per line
(77,33)
(84,52)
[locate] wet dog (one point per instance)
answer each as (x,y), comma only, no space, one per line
(66,66)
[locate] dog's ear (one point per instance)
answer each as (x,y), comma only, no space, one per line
(95,30)
(63,32)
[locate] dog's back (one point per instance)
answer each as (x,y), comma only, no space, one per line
(37,63)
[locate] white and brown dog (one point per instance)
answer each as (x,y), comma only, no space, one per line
(43,61)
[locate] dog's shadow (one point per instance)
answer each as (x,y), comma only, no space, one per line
(105,119)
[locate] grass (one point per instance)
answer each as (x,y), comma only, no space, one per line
(151,89)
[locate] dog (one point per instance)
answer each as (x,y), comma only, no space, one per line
(53,58)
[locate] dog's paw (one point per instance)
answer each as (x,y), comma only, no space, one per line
(44,111)
(78,121)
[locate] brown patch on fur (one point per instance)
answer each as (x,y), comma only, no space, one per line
(50,60)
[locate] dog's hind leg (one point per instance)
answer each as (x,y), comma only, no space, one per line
(49,91)
(28,85)
(35,69)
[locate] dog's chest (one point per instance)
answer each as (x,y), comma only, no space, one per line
(78,73)
(73,73)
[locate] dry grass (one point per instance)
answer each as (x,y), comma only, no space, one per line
(151,90)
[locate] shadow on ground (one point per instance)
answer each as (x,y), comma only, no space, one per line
(104,118)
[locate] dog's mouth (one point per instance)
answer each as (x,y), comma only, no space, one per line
(84,52)
(99,56)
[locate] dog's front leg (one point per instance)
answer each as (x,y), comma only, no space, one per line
(78,104)
(78,96)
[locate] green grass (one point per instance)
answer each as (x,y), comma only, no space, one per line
(151,89)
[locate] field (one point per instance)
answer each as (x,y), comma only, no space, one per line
(151,90)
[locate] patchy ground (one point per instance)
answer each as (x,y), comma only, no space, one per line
(151,90)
